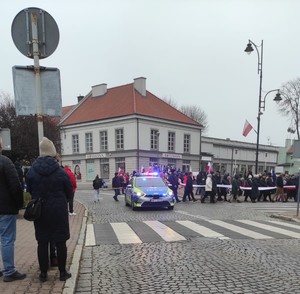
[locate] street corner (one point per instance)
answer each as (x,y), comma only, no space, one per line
(287,217)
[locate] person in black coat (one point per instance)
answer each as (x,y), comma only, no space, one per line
(188,189)
(173,180)
(11,200)
(46,179)
(116,184)
(254,190)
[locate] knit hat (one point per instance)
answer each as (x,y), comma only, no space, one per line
(47,148)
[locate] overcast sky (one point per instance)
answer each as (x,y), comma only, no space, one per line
(191,51)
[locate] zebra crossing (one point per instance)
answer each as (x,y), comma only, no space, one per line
(278,207)
(182,230)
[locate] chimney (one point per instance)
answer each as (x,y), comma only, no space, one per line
(79,98)
(140,85)
(99,90)
(288,143)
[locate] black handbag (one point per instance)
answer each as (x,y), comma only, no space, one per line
(33,209)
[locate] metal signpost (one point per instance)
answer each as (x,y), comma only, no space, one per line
(36,35)
(5,135)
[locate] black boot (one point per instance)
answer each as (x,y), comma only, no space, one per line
(43,277)
(64,275)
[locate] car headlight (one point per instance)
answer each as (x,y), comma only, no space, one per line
(138,194)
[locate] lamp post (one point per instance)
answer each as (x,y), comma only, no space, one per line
(235,167)
(261,103)
(266,155)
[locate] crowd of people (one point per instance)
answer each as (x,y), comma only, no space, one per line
(236,188)
(217,186)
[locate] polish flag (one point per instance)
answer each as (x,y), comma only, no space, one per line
(208,168)
(120,172)
(247,128)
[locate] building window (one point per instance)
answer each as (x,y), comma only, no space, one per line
(75,143)
(104,168)
(89,142)
(186,143)
(119,139)
(103,141)
(120,164)
(172,161)
(186,165)
(154,140)
(171,141)
(90,170)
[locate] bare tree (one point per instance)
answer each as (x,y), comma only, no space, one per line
(171,102)
(289,106)
(196,113)
(193,111)
(23,130)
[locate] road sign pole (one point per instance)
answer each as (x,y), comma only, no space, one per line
(35,47)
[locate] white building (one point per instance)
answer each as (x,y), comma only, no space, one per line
(127,128)
(236,156)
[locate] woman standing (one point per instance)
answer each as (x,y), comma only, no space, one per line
(208,189)
(46,179)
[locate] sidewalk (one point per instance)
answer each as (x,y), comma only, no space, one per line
(26,258)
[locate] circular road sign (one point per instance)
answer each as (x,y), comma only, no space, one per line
(47,32)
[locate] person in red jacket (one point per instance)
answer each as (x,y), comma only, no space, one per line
(74,184)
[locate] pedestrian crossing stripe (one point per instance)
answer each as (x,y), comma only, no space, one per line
(125,234)
(180,230)
(90,236)
(164,231)
(240,230)
(272,229)
(285,224)
(206,232)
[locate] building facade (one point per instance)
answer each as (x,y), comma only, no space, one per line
(127,128)
(238,157)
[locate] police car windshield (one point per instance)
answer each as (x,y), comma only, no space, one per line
(149,182)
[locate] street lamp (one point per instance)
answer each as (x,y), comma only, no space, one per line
(235,166)
(261,103)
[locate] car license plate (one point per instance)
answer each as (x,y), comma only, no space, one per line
(155,200)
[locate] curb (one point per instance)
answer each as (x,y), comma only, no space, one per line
(70,284)
(285,217)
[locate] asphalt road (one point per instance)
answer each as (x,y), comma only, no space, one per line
(196,248)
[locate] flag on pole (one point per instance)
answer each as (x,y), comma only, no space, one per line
(120,172)
(208,167)
(247,128)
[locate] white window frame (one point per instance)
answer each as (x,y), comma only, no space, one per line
(89,142)
(75,143)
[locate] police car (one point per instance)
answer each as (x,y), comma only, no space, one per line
(148,190)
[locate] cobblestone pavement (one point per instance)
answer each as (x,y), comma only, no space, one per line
(198,265)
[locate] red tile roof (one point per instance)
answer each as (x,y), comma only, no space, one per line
(66,109)
(123,101)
